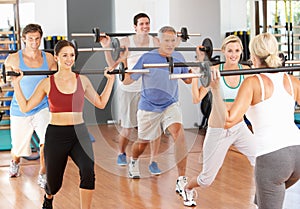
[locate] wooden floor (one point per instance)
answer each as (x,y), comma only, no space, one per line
(232,189)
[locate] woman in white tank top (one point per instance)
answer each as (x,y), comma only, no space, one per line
(268,100)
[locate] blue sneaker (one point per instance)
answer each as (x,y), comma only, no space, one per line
(153,168)
(122,159)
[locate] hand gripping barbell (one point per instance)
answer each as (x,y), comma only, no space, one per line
(205,71)
(121,71)
(183,34)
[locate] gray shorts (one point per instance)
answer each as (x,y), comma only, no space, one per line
(274,173)
(151,124)
(128,108)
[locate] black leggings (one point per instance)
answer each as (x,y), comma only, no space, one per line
(62,142)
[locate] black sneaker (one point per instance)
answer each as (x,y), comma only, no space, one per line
(47,203)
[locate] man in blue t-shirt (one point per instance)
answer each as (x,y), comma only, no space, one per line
(159,108)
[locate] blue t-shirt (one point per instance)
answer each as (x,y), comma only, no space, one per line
(28,85)
(158,91)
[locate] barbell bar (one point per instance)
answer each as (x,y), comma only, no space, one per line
(205,70)
(121,71)
(97,34)
(116,48)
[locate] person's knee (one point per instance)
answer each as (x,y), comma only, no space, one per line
(52,188)
(204,182)
(125,132)
(177,133)
(87,178)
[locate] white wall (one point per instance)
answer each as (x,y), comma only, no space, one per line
(158,12)
(52,15)
(234,15)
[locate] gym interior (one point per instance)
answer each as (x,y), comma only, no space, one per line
(234,186)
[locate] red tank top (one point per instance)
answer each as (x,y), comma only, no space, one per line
(60,102)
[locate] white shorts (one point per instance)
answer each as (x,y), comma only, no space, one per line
(21,130)
(128,108)
(151,124)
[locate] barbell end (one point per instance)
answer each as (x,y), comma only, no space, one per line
(82,34)
(185,75)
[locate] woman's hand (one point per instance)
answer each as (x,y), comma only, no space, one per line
(215,78)
(124,54)
(105,41)
(200,55)
(107,75)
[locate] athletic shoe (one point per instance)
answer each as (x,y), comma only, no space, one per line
(42,180)
(14,169)
(47,204)
(153,168)
(188,197)
(122,159)
(180,184)
(133,169)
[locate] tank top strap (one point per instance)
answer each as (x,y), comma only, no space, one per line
(131,41)
(132,44)
(151,41)
(23,66)
(291,84)
(261,86)
(22,63)
(221,66)
(52,83)
(45,62)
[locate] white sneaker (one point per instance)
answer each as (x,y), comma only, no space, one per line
(180,183)
(14,169)
(42,180)
(133,169)
(188,197)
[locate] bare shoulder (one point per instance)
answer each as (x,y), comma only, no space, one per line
(84,80)
(156,41)
(45,84)
(251,79)
(51,62)
(12,60)
(245,67)
(294,79)
(49,55)
(124,41)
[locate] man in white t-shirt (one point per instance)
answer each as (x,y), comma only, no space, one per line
(130,94)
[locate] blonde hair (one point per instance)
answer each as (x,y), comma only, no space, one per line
(231,39)
(265,47)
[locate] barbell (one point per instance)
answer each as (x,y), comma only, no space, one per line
(205,70)
(97,34)
(116,49)
(121,71)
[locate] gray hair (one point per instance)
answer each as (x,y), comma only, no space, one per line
(164,30)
